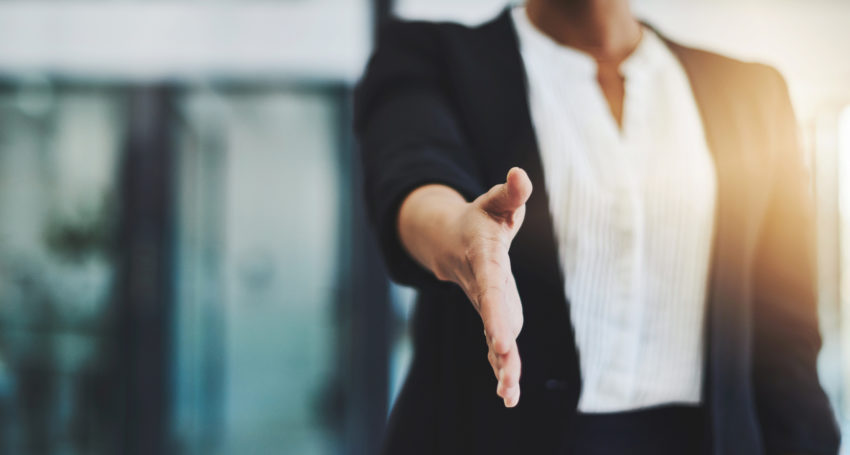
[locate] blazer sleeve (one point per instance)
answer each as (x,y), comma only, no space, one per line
(409,135)
(794,412)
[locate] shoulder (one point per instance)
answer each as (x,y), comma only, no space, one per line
(415,55)
(408,55)
(751,97)
(421,38)
(739,77)
(417,48)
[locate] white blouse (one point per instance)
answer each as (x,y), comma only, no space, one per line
(633,211)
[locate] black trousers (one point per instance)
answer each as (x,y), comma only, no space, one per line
(665,430)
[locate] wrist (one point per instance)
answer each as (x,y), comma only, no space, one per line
(429,227)
(448,252)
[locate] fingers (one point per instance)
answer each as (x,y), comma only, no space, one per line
(496,298)
(501,313)
(518,186)
(496,315)
(507,368)
(515,307)
(504,199)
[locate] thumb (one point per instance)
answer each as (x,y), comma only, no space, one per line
(503,199)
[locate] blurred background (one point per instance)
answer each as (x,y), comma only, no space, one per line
(184,262)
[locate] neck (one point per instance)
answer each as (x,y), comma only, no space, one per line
(605,29)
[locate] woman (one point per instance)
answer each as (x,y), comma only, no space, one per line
(627,220)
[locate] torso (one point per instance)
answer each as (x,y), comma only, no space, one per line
(632,203)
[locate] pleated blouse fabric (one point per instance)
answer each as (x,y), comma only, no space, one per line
(633,210)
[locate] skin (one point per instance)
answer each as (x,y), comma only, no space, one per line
(604,29)
(467,243)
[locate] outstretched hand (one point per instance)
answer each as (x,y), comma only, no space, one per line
(467,243)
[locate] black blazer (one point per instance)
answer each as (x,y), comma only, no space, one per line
(444,103)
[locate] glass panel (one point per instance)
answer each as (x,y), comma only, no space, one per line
(260,225)
(58,153)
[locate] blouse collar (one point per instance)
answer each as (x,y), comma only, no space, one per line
(542,49)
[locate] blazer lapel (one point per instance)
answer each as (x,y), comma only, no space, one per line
(513,142)
(739,203)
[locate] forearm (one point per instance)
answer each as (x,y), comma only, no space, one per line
(427,219)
